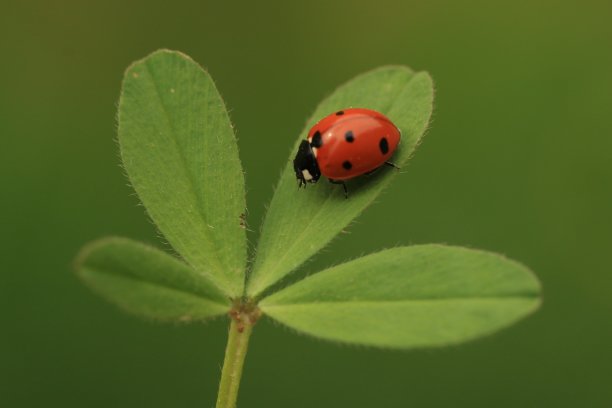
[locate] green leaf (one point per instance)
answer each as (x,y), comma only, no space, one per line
(180,153)
(148,282)
(420,296)
(299,223)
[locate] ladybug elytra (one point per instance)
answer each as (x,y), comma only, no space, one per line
(345,145)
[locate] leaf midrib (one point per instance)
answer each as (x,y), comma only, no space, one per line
(209,241)
(501,298)
(140,280)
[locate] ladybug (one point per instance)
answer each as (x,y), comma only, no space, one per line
(345,145)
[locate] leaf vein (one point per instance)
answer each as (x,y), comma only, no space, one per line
(160,285)
(190,177)
(415,301)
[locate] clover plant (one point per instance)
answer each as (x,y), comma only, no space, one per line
(179,150)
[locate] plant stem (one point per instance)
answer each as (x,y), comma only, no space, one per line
(237,343)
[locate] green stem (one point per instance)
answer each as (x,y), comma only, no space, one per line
(235,352)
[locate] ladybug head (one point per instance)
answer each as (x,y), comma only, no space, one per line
(305,165)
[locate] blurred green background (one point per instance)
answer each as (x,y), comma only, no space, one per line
(518,160)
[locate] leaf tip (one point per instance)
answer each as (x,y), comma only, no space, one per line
(86,250)
(132,71)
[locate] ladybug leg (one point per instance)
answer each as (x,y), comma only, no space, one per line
(343,185)
(392,165)
(301,183)
(369,173)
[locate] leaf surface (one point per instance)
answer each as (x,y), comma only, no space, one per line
(299,223)
(181,156)
(419,296)
(148,282)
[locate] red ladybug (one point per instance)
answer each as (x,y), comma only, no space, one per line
(344,145)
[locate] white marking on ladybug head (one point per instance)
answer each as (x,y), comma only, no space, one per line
(307,175)
(314,151)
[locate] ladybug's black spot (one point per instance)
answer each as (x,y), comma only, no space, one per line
(347,165)
(316,140)
(349,136)
(383,145)
(339,113)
